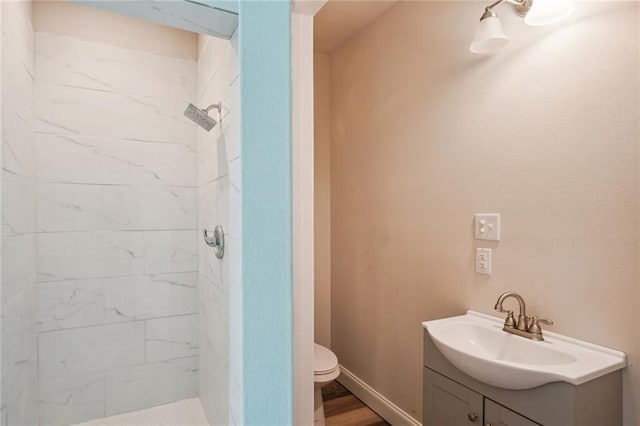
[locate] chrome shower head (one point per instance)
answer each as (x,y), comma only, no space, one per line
(201,116)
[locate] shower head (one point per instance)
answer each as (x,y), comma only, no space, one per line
(201,116)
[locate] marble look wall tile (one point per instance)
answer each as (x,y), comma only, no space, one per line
(18,265)
(80,63)
(70,158)
(73,62)
(71,399)
(146,118)
(170,164)
(144,386)
(66,256)
(18,144)
(90,349)
(214,351)
(18,204)
(18,29)
(171,251)
(211,155)
(170,338)
(68,110)
(19,396)
(69,304)
(17,89)
(149,208)
(109,114)
(69,207)
(18,331)
(154,296)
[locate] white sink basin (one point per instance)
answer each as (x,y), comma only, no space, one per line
(476,345)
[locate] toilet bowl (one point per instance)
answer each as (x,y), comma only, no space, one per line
(326,370)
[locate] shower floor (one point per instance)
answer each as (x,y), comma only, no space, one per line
(187,412)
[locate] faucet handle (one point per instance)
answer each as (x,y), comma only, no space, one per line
(535,327)
(510,321)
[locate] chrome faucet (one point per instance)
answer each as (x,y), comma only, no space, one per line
(525,326)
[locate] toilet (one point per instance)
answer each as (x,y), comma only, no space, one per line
(326,370)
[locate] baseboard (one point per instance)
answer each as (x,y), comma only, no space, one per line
(377,402)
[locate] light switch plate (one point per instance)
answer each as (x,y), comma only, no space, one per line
(487,226)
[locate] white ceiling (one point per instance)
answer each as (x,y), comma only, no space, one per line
(339,20)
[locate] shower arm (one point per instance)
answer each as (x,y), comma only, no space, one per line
(218,106)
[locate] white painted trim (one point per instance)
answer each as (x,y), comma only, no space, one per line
(375,400)
(303,210)
(302,169)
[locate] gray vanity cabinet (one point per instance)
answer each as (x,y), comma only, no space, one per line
(497,415)
(447,403)
(451,398)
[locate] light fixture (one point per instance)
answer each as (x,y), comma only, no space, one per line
(489,35)
(547,12)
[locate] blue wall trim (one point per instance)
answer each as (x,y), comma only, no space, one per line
(265,64)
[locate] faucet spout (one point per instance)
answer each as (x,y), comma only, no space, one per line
(522,316)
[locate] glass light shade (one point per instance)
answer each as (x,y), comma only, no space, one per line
(546,12)
(489,36)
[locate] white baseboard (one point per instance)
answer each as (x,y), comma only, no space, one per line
(377,402)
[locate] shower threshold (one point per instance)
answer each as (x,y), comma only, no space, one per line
(187,412)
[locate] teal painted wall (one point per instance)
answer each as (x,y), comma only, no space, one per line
(265,66)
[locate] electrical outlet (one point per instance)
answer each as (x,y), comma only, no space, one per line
(483,261)
(487,226)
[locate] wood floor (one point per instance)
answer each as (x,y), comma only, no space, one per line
(342,408)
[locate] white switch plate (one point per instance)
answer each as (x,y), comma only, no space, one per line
(487,226)
(483,261)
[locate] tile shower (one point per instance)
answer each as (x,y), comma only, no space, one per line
(108,294)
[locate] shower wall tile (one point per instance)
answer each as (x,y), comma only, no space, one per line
(117,213)
(18,382)
(76,255)
(18,331)
(80,63)
(19,397)
(171,338)
(82,303)
(18,266)
(171,251)
(18,149)
(152,296)
(18,204)
(18,29)
(149,208)
(68,110)
(129,389)
(71,158)
(71,399)
(69,207)
(146,118)
(220,289)
(90,349)
(110,114)
(170,164)
(70,304)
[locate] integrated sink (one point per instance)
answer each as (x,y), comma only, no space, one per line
(476,344)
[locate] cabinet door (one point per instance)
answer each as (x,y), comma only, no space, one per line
(497,415)
(447,403)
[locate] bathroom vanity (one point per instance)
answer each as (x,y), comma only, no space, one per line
(501,383)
